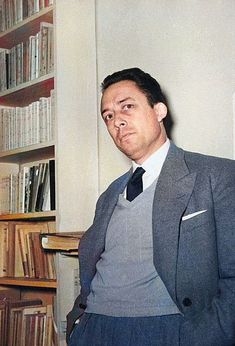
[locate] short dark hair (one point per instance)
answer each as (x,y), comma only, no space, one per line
(146,83)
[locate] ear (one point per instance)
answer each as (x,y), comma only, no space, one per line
(160,110)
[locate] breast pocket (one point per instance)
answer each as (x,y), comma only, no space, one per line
(191,221)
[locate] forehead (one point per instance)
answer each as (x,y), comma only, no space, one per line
(120,91)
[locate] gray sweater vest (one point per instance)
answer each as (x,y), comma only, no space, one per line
(126,283)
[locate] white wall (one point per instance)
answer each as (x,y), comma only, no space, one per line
(76,149)
(234,125)
(188,46)
(76,145)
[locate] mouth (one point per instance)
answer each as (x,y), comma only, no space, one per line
(125,136)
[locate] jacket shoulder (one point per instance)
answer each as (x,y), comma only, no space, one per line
(198,161)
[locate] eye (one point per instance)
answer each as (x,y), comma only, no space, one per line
(108,116)
(128,106)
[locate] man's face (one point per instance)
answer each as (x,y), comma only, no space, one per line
(135,127)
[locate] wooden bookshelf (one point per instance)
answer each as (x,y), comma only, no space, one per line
(39,263)
(27,282)
(44,215)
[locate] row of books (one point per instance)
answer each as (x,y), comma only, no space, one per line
(27,60)
(21,254)
(23,126)
(30,190)
(26,322)
(14,11)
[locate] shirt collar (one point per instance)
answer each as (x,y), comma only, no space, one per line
(155,162)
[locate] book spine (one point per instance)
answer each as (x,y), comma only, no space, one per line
(23,252)
(52,184)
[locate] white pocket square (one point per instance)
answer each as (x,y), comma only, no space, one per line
(189,216)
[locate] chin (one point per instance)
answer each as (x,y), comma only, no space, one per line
(129,151)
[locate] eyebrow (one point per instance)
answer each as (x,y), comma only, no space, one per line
(119,102)
(126,99)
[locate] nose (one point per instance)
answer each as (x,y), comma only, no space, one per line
(119,121)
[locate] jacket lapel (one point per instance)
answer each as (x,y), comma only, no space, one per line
(174,188)
(95,236)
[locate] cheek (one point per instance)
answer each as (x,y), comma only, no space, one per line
(109,129)
(112,133)
(154,127)
(150,133)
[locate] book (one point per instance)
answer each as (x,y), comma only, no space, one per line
(42,186)
(63,241)
(46,47)
(23,189)
(35,185)
(10,250)
(4,62)
(3,245)
(52,184)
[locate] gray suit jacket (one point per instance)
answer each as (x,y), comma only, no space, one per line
(193,243)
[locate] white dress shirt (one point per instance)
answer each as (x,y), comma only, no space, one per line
(152,165)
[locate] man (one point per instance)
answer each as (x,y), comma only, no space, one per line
(157,267)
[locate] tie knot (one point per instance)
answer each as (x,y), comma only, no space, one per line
(137,175)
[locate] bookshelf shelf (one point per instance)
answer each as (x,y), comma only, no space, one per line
(34,152)
(28,92)
(27,282)
(45,215)
(19,32)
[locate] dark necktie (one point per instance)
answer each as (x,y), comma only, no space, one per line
(135,184)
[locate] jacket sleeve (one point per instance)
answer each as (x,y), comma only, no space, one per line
(72,316)
(215,325)
(79,305)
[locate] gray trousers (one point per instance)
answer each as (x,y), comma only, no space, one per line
(100,330)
